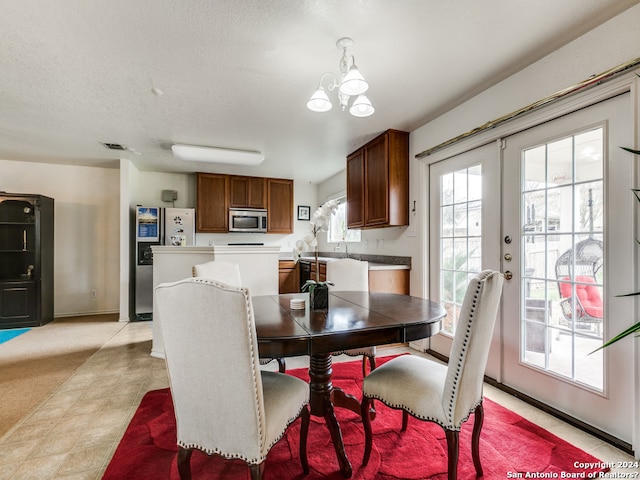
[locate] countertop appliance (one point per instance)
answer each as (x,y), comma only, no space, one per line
(247,220)
(155,226)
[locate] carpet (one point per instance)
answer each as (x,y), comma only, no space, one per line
(6,335)
(510,445)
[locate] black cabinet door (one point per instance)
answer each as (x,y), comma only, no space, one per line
(17,304)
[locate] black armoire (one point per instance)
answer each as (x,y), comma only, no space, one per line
(26,260)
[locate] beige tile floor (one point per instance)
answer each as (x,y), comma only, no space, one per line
(73,433)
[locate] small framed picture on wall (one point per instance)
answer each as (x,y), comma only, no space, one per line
(304,212)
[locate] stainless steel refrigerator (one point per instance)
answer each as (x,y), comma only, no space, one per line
(155,226)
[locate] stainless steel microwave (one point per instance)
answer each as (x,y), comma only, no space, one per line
(247,220)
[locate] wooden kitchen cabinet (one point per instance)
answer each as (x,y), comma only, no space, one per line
(355,189)
(389,281)
(216,193)
(378,182)
(288,276)
(323,271)
(279,205)
(247,192)
(212,215)
(393,279)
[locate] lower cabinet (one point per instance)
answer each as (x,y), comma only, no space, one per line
(323,271)
(389,281)
(288,276)
(18,302)
(394,280)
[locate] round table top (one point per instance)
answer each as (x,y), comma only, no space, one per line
(353,320)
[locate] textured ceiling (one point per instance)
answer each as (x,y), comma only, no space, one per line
(238,73)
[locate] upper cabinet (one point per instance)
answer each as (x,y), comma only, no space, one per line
(378,182)
(212,214)
(279,205)
(247,192)
(216,193)
(355,189)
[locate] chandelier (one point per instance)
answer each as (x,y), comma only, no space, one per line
(351,84)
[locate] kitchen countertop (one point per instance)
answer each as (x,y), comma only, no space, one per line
(372,264)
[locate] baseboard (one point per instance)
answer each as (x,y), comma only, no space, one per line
(585,427)
(86,314)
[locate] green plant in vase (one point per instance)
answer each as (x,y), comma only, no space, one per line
(318,291)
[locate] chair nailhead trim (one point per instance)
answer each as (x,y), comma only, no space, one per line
(231,456)
(404,408)
(463,352)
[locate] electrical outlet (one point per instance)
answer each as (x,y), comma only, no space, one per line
(93,294)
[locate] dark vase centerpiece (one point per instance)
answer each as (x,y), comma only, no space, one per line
(318,291)
(318,294)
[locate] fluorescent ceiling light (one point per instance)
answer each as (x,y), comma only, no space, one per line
(216,155)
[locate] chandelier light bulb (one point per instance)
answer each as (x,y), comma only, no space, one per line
(319,101)
(362,107)
(353,83)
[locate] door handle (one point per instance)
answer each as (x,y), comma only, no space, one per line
(508,275)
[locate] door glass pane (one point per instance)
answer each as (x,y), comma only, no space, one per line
(563,232)
(534,169)
(589,147)
(589,198)
(460,238)
(559,201)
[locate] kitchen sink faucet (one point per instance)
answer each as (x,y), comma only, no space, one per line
(346,248)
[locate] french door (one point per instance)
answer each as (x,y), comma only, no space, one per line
(465,225)
(567,226)
(552,208)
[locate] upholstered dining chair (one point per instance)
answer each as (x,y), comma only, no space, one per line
(236,413)
(229,273)
(351,274)
(446,395)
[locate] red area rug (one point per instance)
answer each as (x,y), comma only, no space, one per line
(510,445)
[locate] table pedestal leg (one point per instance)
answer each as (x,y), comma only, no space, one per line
(321,395)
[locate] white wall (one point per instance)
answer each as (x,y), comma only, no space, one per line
(86,232)
(148,188)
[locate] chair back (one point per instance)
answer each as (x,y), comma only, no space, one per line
(226,272)
(348,274)
(211,352)
(470,349)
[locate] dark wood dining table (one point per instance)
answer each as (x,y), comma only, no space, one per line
(352,320)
